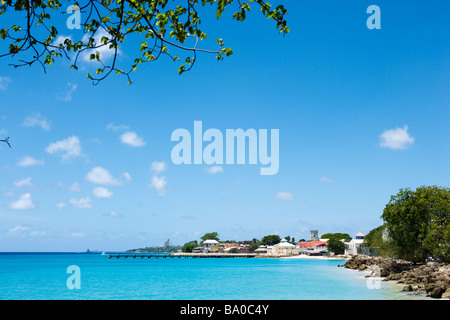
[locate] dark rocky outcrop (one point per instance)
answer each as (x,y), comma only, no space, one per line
(431,278)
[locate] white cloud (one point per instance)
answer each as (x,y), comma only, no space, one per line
(69,91)
(326,179)
(60,40)
(159,183)
(112,213)
(101,192)
(214,169)
(37,120)
(285,196)
(95,141)
(23,183)
(158,167)
(37,233)
(104,51)
(4,82)
(75,187)
(28,161)
(20,231)
(396,139)
(127,176)
(17,229)
(67,148)
(115,128)
(77,235)
(99,175)
(61,205)
(82,203)
(24,203)
(132,139)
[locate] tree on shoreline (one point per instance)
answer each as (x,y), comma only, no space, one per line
(162,28)
(418,223)
(336,246)
(210,236)
(270,240)
(337,236)
(187,247)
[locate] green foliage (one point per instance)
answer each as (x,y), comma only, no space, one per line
(418,223)
(374,239)
(166,26)
(210,236)
(336,246)
(187,247)
(270,240)
(337,236)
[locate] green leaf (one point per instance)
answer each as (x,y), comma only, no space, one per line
(218,13)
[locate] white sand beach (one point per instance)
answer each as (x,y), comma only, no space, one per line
(304,256)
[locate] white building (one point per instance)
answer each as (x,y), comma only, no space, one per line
(351,248)
(261,250)
(211,245)
(285,248)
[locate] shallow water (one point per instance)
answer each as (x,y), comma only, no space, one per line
(44,276)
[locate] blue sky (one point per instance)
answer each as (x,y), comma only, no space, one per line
(361,113)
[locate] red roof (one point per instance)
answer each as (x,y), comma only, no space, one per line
(231,245)
(312,244)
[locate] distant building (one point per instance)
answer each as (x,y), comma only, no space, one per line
(313,247)
(236,248)
(245,248)
(198,250)
(261,250)
(285,248)
(352,247)
(314,235)
(212,246)
(210,243)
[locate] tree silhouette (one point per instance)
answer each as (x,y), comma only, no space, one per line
(162,28)
(7,141)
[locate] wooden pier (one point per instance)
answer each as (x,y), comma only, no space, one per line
(182,255)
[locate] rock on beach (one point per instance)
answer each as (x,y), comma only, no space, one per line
(431,278)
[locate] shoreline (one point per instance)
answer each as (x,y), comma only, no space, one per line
(252,255)
(306,257)
(430,279)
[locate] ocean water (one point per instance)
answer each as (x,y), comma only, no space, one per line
(38,276)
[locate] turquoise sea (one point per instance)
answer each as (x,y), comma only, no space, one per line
(44,276)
